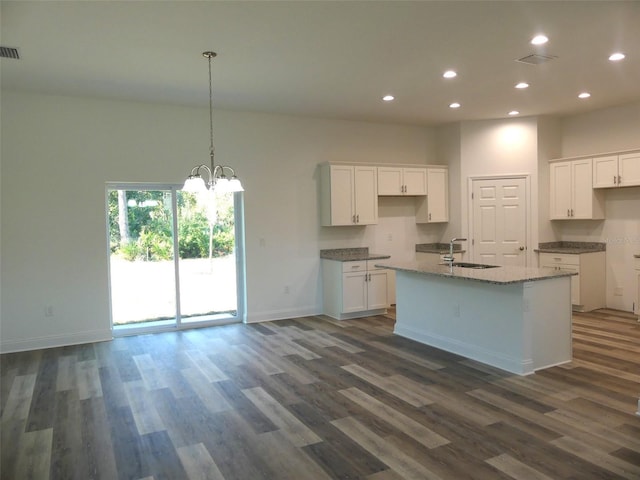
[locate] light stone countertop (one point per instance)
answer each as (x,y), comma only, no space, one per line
(499,275)
(351,254)
(440,248)
(571,247)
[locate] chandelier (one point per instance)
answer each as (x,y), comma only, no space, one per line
(218,181)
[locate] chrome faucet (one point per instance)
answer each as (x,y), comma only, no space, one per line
(449,258)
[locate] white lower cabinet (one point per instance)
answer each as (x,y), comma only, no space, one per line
(354,289)
(435,258)
(636,304)
(588,288)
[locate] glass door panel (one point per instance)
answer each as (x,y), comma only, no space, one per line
(142,265)
(207,259)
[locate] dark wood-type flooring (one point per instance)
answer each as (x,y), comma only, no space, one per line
(311,398)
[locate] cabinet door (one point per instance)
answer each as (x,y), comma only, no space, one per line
(575,283)
(629,169)
(366,195)
(415,181)
(437,195)
(582,186)
(605,172)
(377,289)
(354,292)
(390,181)
(560,190)
(342,195)
(637,304)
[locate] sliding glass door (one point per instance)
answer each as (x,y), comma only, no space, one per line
(174,257)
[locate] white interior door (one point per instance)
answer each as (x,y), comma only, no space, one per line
(499,227)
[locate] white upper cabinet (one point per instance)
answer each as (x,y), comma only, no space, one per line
(396,181)
(616,170)
(349,195)
(572,196)
(434,208)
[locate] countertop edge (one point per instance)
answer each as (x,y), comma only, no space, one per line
(524,275)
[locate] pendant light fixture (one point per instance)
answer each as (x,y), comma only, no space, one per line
(217,182)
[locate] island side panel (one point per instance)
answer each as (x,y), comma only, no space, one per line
(478,320)
(548,316)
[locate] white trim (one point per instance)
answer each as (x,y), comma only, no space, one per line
(284,314)
(52,341)
(529,259)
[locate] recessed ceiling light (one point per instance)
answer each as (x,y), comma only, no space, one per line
(522,85)
(615,57)
(454,105)
(584,95)
(388,98)
(514,112)
(539,40)
(449,74)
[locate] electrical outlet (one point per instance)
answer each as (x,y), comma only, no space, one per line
(618,291)
(48,311)
(262,242)
(390,237)
(287,289)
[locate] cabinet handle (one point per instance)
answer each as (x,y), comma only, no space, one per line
(614,179)
(353,219)
(568,212)
(358,218)
(572,212)
(619,179)
(429,216)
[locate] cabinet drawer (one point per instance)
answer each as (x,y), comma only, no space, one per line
(559,258)
(360,266)
(371,264)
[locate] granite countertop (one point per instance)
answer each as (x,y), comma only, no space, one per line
(351,254)
(498,275)
(440,248)
(571,247)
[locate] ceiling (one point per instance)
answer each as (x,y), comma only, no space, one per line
(331,59)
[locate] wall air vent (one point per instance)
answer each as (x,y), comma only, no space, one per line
(535,59)
(9,52)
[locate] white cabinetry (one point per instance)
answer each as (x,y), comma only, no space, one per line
(349,195)
(588,288)
(436,258)
(354,289)
(616,170)
(636,304)
(434,207)
(571,191)
(394,181)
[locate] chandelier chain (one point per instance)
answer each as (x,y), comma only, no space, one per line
(211,148)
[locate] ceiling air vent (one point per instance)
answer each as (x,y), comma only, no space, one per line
(9,52)
(535,59)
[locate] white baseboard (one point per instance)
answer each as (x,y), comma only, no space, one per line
(51,341)
(256,317)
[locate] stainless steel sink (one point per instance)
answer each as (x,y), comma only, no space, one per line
(471,265)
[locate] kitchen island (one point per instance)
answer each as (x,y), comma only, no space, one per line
(513,318)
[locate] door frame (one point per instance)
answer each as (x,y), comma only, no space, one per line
(241,308)
(527,205)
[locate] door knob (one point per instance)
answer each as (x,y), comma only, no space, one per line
(521,249)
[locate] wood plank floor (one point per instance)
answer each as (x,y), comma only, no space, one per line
(312,398)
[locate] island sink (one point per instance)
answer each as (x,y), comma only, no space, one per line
(471,265)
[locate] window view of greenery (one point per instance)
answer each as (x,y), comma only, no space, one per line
(142,264)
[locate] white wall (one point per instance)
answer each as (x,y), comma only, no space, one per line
(602,131)
(500,147)
(58,152)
